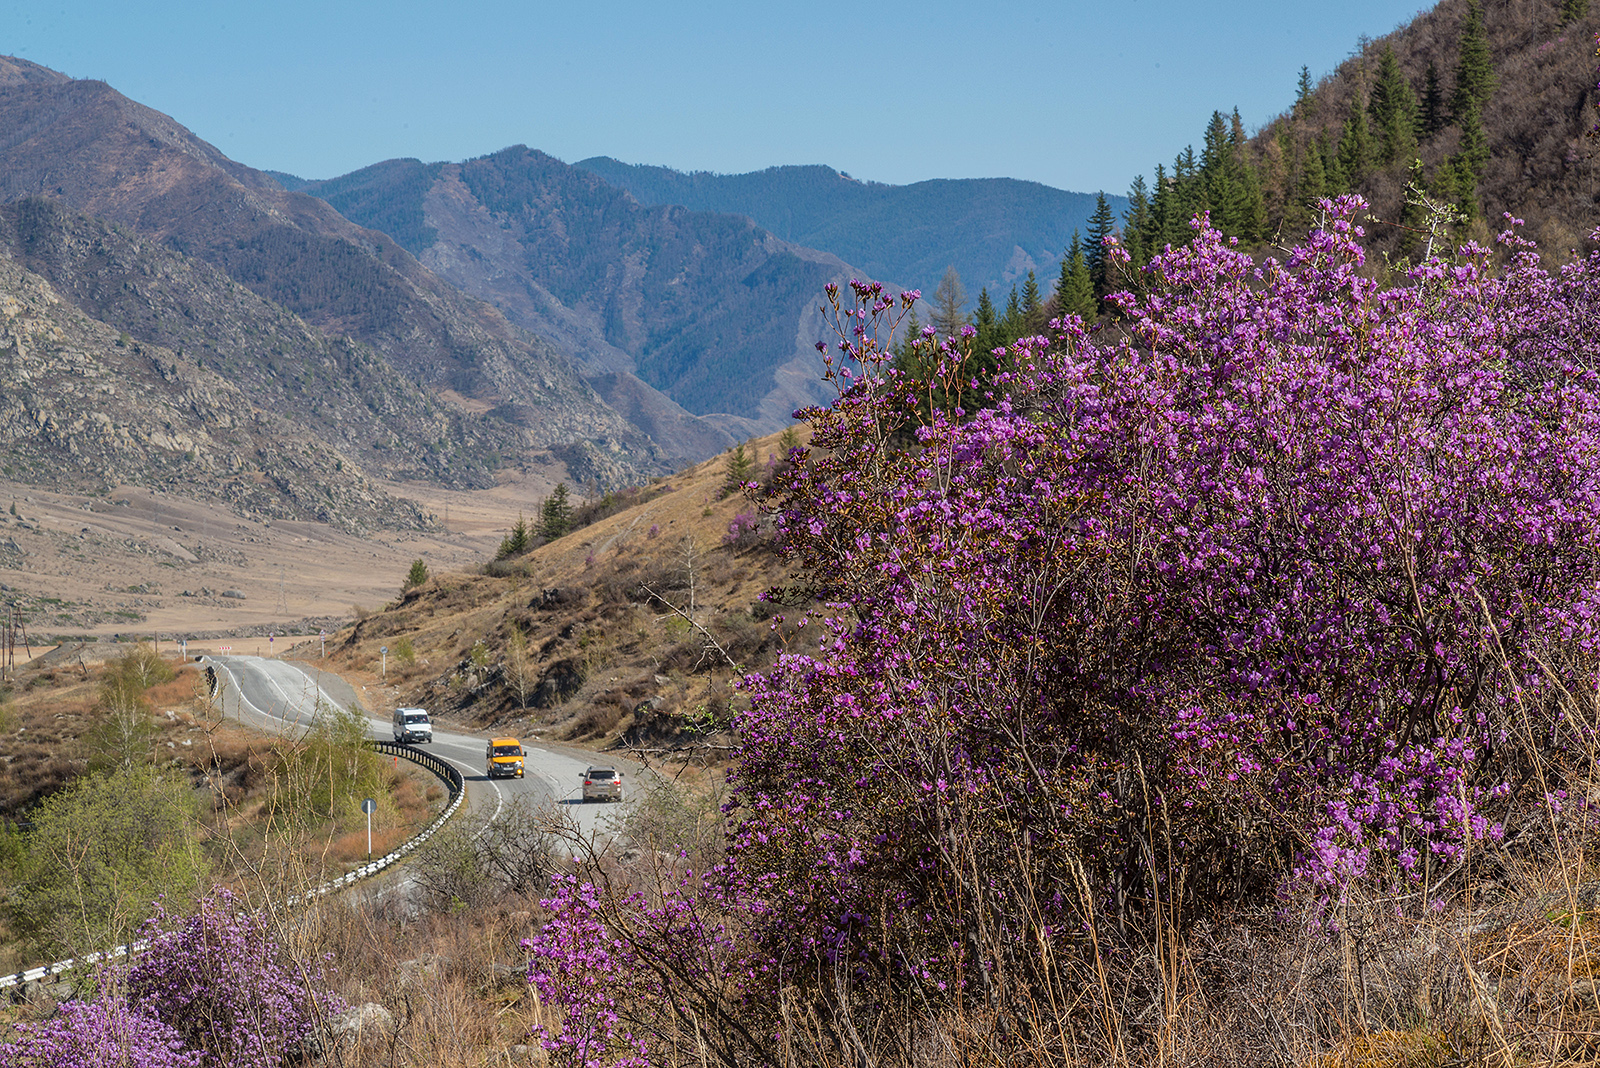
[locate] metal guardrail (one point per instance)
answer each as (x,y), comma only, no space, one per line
(458,791)
(452,780)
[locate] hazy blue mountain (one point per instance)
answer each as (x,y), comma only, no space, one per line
(993,230)
(698,312)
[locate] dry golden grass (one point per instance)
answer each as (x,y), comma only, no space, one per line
(597,645)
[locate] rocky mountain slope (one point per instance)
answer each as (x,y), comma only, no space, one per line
(86,407)
(335,390)
(84,145)
(992,230)
(708,309)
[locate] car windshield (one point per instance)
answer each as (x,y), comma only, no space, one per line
(419,717)
(508,750)
(601,773)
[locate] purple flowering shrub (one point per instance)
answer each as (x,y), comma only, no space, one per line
(215,988)
(743,532)
(98,1034)
(626,967)
(577,962)
(222,981)
(1289,583)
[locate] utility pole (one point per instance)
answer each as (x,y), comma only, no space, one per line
(8,642)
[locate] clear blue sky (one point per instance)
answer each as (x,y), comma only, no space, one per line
(1076,95)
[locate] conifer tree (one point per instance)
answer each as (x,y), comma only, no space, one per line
(1474,145)
(1161,212)
(1186,196)
(986,322)
(736,469)
(1136,223)
(1474,66)
(1453,183)
(1433,117)
(1302,98)
(1252,220)
(1011,324)
(1573,10)
(1033,313)
(1332,178)
(1075,294)
(1457,177)
(555,514)
(1355,146)
(1313,176)
(517,542)
(1058,299)
(1102,224)
(1393,108)
(1291,211)
(1219,185)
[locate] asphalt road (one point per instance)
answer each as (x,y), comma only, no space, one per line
(280,695)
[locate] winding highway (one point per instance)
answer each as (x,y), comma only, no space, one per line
(280,695)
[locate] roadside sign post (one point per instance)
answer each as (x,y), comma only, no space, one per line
(383,668)
(324,636)
(367,806)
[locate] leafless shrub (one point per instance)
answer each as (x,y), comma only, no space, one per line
(468,863)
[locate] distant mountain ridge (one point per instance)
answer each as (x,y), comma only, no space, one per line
(412,377)
(340,392)
(704,308)
(993,230)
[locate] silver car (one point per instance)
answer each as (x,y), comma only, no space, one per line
(602,784)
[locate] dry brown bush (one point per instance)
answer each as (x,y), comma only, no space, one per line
(602,716)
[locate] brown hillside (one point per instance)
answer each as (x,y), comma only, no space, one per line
(621,621)
(1542,167)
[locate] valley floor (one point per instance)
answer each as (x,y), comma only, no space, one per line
(138,562)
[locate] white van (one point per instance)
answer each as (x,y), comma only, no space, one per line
(412,725)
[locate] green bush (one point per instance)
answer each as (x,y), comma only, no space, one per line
(328,771)
(98,854)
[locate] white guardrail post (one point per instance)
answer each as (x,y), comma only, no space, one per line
(458,792)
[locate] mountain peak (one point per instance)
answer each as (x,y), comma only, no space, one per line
(15,71)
